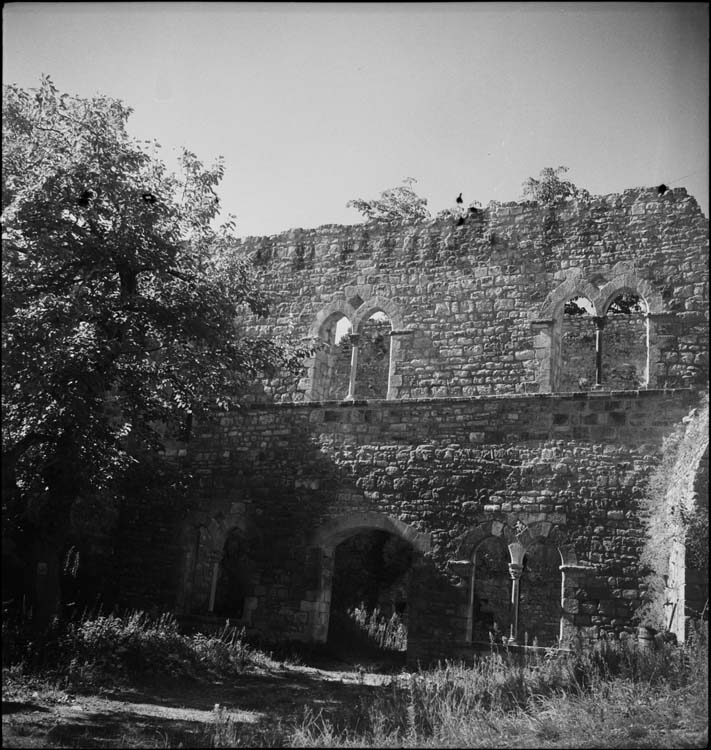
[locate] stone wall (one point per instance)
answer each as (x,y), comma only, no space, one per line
(563,470)
(478,309)
(460,438)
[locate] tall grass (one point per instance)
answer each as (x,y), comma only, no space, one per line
(378,630)
(613,694)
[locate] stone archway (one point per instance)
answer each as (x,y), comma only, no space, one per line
(600,288)
(686,589)
(521,542)
(322,555)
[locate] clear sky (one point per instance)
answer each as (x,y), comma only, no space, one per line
(315,104)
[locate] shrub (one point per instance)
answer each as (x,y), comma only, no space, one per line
(99,651)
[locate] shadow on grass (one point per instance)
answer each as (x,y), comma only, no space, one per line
(261,711)
(11,707)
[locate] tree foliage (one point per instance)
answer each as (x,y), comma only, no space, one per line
(626,304)
(122,307)
(396,204)
(550,189)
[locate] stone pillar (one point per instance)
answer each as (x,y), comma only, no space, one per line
(517,552)
(515,573)
(354,367)
(599,322)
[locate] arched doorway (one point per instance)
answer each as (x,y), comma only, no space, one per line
(370,591)
(396,551)
(233,578)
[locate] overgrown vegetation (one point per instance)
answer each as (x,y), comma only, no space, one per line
(377,629)
(395,204)
(670,514)
(614,694)
(402,203)
(550,189)
(108,651)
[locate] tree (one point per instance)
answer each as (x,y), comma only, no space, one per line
(626,304)
(396,204)
(550,189)
(122,307)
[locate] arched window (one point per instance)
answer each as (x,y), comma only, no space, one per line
(625,343)
(332,361)
(491,591)
(577,342)
(540,595)
(373,368)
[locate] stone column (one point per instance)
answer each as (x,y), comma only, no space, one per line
(515,571)
(517,552)
(354,366)
(599,322)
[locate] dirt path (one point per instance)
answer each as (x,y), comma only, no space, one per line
(262,707)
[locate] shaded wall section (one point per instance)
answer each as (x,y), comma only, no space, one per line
(438,469)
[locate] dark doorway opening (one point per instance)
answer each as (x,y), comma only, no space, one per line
(369,595)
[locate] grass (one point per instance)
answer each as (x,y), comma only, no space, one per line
(375,628)
(611,695)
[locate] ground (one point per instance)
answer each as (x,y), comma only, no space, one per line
(263,703)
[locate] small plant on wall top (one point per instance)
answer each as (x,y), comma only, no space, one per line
(396,204)
(550,189)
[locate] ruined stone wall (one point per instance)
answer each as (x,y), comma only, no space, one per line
(573,465)
(478,309)
(476,439)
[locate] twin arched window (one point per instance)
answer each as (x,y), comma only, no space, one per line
(610,350)
(353,365)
